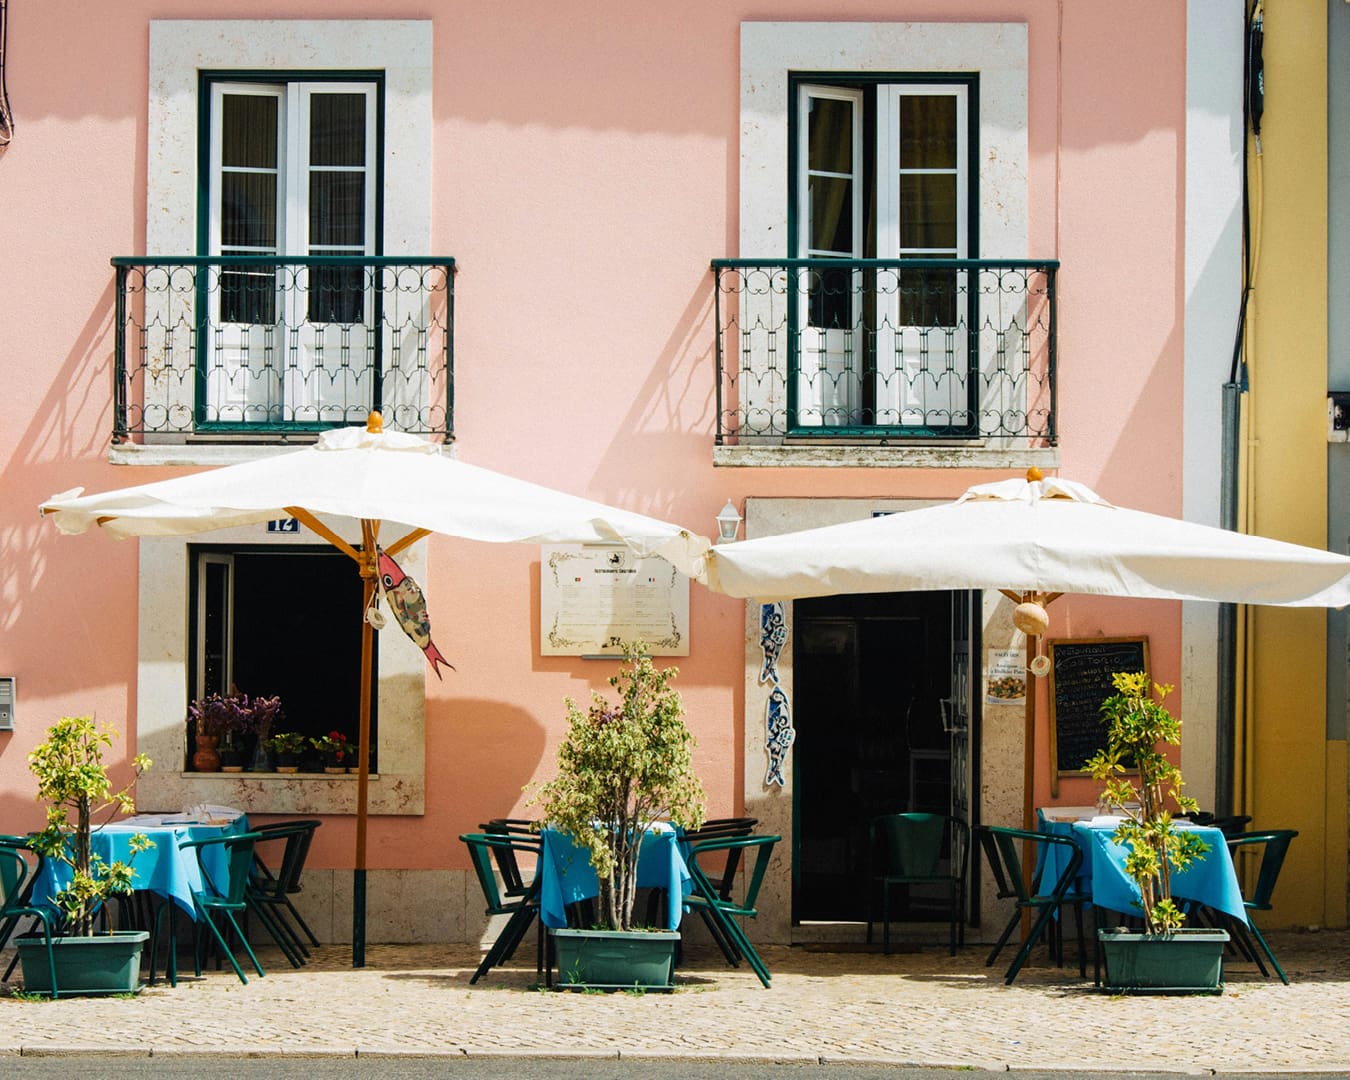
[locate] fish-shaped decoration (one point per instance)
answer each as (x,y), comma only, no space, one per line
(779,735)
(772,637)
(410,609)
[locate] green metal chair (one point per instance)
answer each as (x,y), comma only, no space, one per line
(721,913)
(269,891)
(1276,847)
(225,899)
(1001,848)
(16,881)
(918,849)
(490,850)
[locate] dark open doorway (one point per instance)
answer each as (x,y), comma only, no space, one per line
(873,688)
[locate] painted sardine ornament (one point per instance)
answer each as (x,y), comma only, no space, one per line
(410,609)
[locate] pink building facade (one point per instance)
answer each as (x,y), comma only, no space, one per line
(501,226)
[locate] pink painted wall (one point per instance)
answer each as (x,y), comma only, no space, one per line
(585,171)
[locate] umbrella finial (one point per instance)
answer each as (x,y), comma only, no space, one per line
(1034,474)
(375,423)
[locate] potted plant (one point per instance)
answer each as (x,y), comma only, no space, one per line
(287,748)
(266,712)
(215,718)
(621,767)
(73,780)
(336,751)
(1162,955)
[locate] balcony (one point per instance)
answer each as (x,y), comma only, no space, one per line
(260,349)
(951,357)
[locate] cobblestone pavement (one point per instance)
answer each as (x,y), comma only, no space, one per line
(919,1007)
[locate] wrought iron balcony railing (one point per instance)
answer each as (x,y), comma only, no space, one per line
(886,349)
(246,346)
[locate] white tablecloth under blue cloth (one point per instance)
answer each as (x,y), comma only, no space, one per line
(567,876)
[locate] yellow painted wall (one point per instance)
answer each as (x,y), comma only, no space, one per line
(1292,777)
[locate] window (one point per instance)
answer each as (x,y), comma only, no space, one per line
(286,621)
(292,170)
(882,169)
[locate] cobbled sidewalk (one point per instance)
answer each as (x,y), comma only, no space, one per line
(919,1007)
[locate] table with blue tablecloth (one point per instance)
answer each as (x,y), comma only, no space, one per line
(567,877)
(1211,881)
(164,869)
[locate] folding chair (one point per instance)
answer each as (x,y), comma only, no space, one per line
(721,914)
(521,908)
(1001,848)
(16,886)
(1276,846)
(908,849)
(269,892)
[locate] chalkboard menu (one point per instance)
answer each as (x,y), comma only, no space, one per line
(1080,680)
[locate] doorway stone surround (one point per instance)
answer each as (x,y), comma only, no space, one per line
(997,793)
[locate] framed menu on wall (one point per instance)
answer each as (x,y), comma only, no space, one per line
(1080,680)
(595,597)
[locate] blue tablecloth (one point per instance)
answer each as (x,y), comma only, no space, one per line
(163,869)
(1211,881)
(566,876)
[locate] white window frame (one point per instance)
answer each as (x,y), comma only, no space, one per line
(770,53)
(235,391)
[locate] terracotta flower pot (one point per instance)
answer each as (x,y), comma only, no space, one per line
(206,759)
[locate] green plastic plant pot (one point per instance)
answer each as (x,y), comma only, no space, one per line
(616,959)
(102,964)
(1182,962)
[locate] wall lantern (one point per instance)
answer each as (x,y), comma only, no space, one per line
(728,523)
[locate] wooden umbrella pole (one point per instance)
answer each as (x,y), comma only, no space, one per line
(369,570)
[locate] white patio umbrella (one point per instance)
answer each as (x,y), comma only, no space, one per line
(1033,540)
(379,478)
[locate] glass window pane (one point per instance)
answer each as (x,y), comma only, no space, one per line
(248,131)
(928,211)
(830,299)
(337,129)
(927,132)
(336,294)
(337,209)
(928,297)
(248,210)
(831,225)
(830,136)
(248,295)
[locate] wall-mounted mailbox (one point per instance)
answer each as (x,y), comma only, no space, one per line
(6,702)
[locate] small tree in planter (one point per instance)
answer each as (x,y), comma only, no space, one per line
(622,766)
(73,781)
(1138,725)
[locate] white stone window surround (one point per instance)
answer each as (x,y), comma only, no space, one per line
(770,52)
(179,49)
(162,680)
